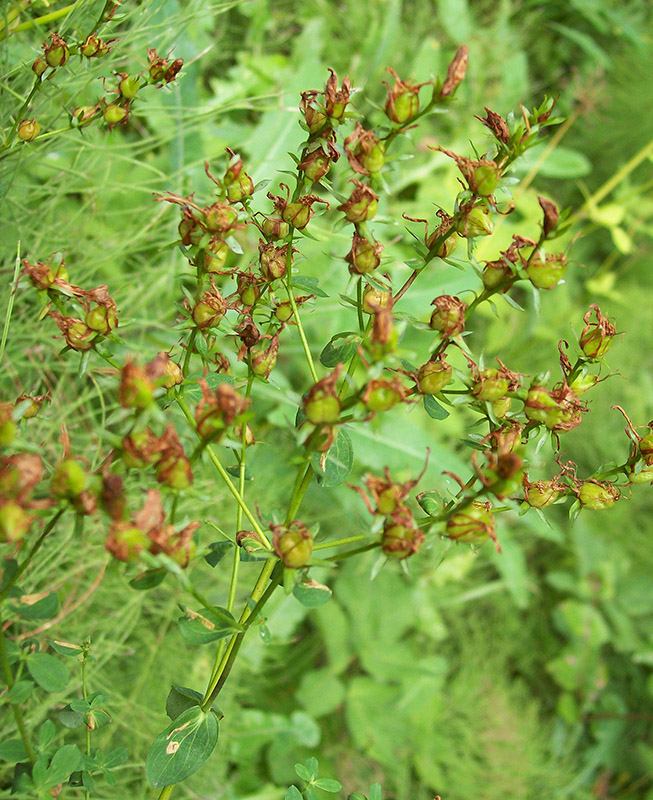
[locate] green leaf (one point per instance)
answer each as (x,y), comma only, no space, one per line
(45,608)
(20,691)
(64,762)
(430,502)
(180,699)
(375,791)
(333,353)
(338,463)
(182,748)
(13,750)
(304,773)
(310,283)
(49,673)
(192,389)
(218,551)
(313,765)
(69,718)
(311,594)
(97,718)
(148,579)
(115,758)
(65,648)
(293,793)
(433,408)
(328,785)
(202,627)
(47,732)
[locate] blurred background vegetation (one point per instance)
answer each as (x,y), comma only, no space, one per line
(484,677)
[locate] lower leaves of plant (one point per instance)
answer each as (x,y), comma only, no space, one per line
(182,748)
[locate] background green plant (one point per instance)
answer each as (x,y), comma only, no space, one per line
(523,675)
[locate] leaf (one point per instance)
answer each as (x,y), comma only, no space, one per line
(311,594)
(180,699)
(338,463)
(69,718)
(36,607)
(430,502)
(148,579)
(304,773)
(46,733)
(293,792)
(49,673)
(433,408)
(20,691)
(13,750)
(218,551)
(115,758)
(328,785)
(97,718)
(310,283)
(202,627)
(182,748)
(333,354)
(65,648)
(192,390)
(64,762)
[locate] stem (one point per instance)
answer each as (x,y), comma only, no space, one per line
(10,303)
(21,112)
(166,792)
(87,730)
(302,482)
(225,477)
(339,542)
(189,352)
(17,711)
(35,548)
(296,317)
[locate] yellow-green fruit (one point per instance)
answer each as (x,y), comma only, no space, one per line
(542,494)
(322,409)
(433,376)
(400,541)
(68,479)
(598,496)
(294,548)
(491,385)
(540,406)
(14,522)
(473,524)
(28,130)
(7,432)
(113,114)
(131,541)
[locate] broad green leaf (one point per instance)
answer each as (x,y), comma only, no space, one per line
(328,785)
(13,750)
(338,462)
(64,762)
(20,691)
(47,732)
(65,648)
(339,349)
(433,408)
(182,748)
(202,627)
(31,608)
(115,758)
(293,793)
(148,579)
(304,773)
(47,671)
(218,552)
(311,594)
(180,699)
(98,718)
(69,718)
(193,392)
(310,283)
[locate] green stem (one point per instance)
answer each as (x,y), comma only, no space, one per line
(189,352)
(295,311)
(87,730)
(302,482)
(28,559)
(10,303)
(16,710)
(21,112)
(340,542)
(166,792)
(225,477)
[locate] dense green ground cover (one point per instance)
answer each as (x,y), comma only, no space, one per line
(486,676)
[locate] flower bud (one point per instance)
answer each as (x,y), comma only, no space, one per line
(485,178)
(215,255)
(402,103)
(449,315)
(382,395)
(28,130)
(598,495)
(474,222)
(264,360)
(84,115)
(15,522)
(114,114)
(136,389)
(541,493)
(596,337)
(496,273)
(374,298)
(209,309)
(317,162)
(238,183)
(126,541)
(35,403)
(433,376)
(547,272)
(219,217)
(491,384)
(102,319)
(297,214)
(472,524)
(314,114)
(272,260)
(283,311)
(56,51)
(362,204)
(249,289)
(335,100)
(541,406)
(364,256)
(401,539)
(293,545)
(68,480)
(365,151)
(128,87)
(92,47)
(39,67)
(275,228)
(322,404)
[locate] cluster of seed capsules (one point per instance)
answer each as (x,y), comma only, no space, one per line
(251,318)
(115,107)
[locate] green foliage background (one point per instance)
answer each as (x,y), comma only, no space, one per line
(481,677)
